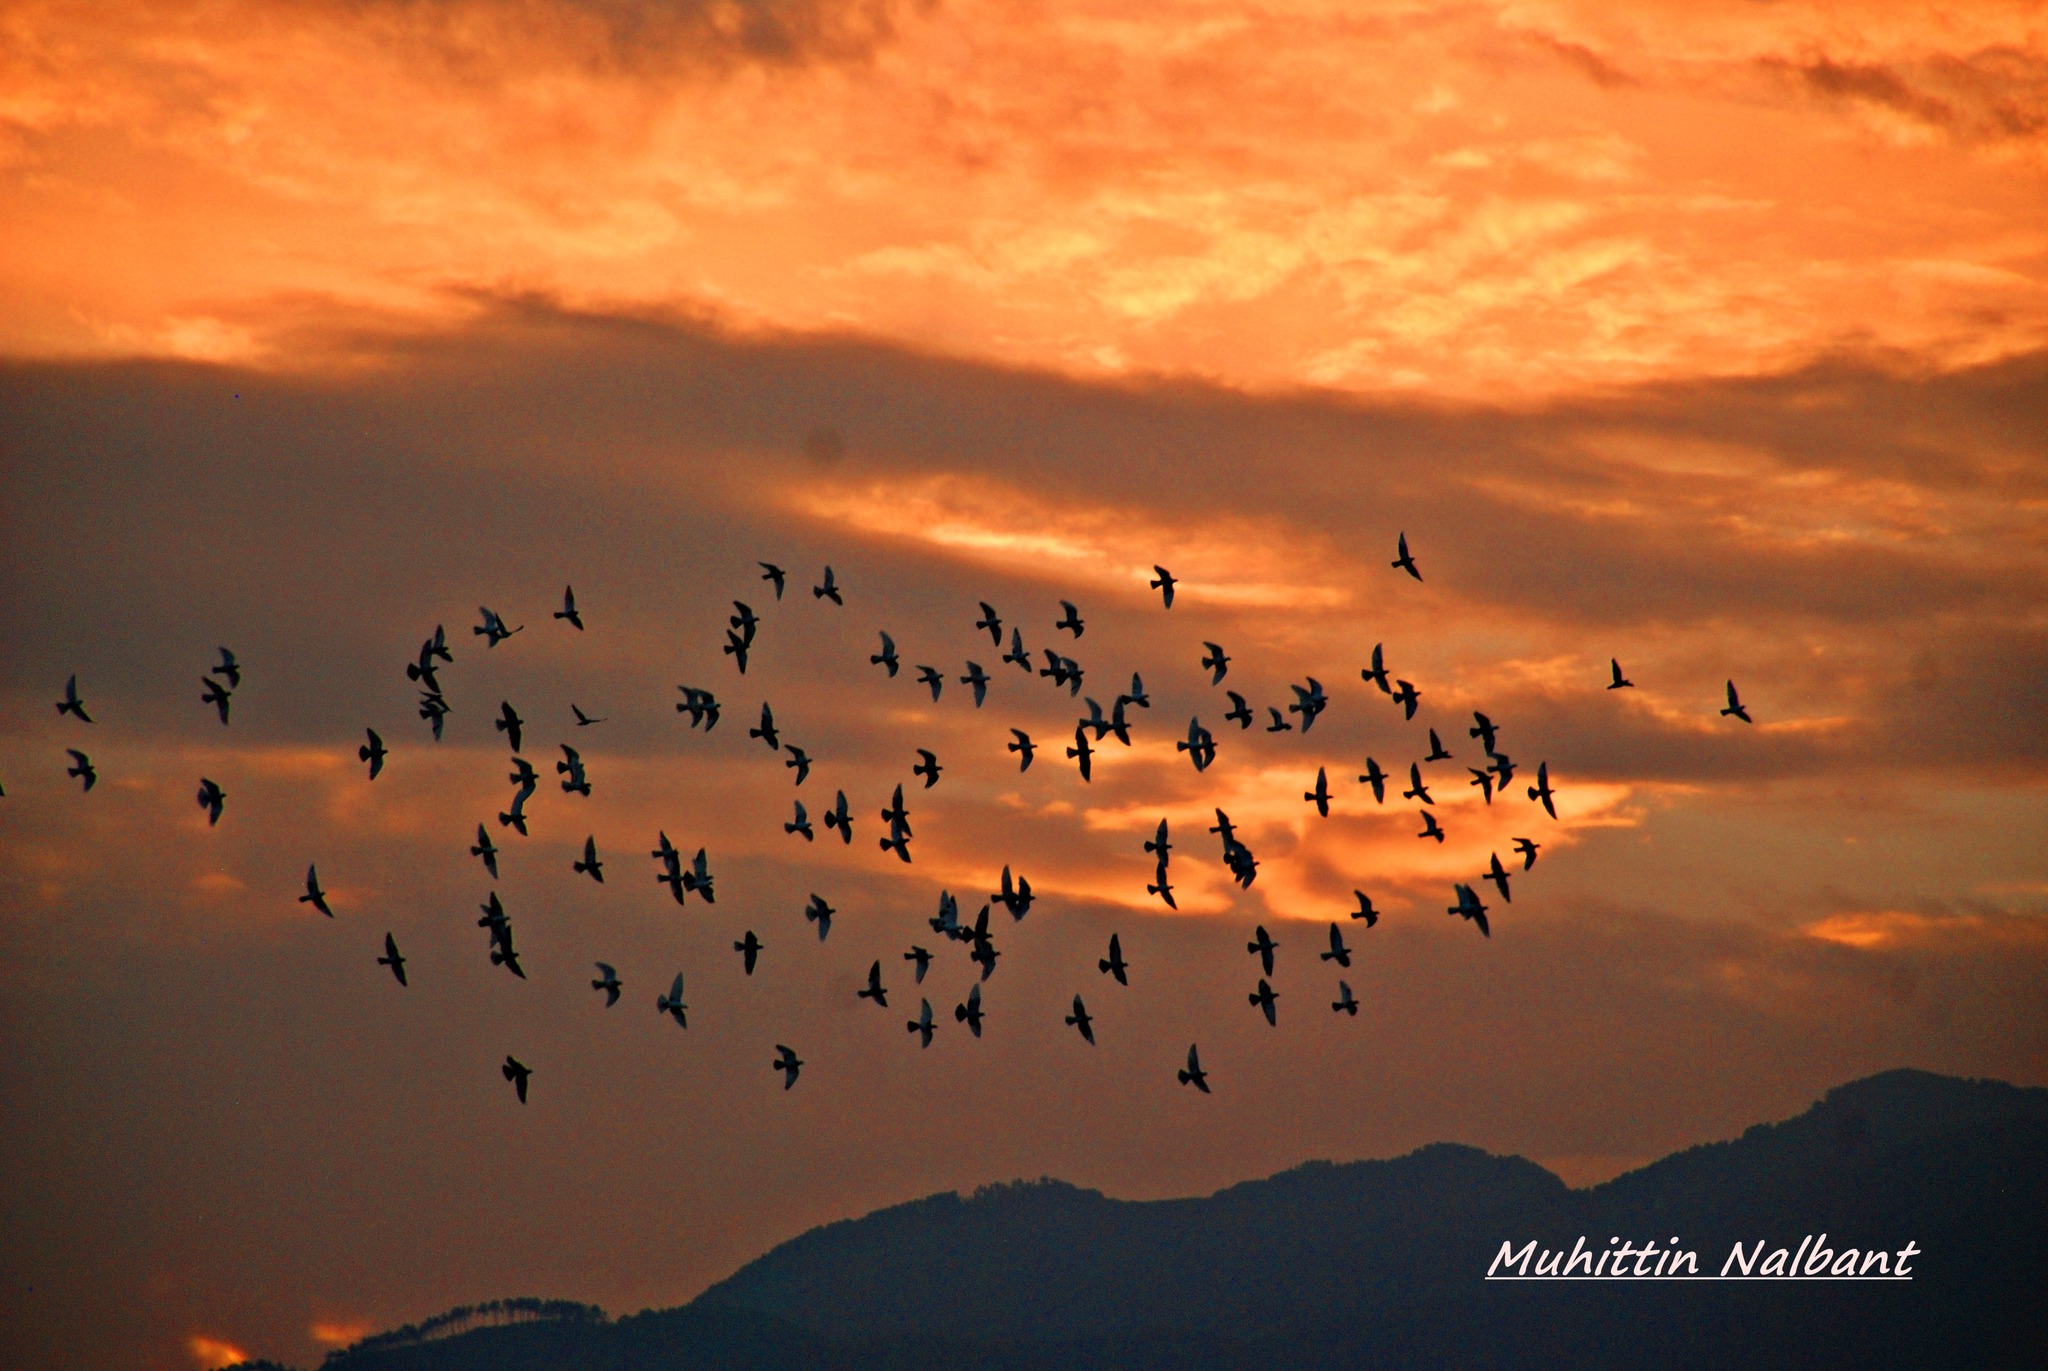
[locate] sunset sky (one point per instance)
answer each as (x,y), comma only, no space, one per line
(1712,337)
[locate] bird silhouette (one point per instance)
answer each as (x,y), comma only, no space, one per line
(928,767)
(1279,724)
(1345,1003)
(211,798)
(820,913)
(700,705)
(749,949)
(1164,585)
(493,630)
(314,895)
(1017,656)
(228,669)
(509,723)
(922,958)
(1541,791)
(582,720)
(590,865)
(1528,851)
(1483,729)
(828,589)
(1407,697)
(1070,620)
(1437,751)
(1015,898)
(568,610)
(1376,674)
(978,680)
(1161,887)
(373,752)
(773,574)
(745,622)
(1416,789)
(1136,694)
(1468,907)
(1365,910)
(1218,663)
(1114,964)
(1096,720)
(1240,712)
(672,865)
(672,1004)
(1320,796)
(1023,747)
(392,959)
(839,818)
(1735,706)
(1200,745)
(1192,1074)
(610,983)
(697,879)
(1405,562)
(896,816)
(1429,827)
(991,621)
(1338,953)
(435,710)
(1484,780)
(1503,769)
(887,656)
(799,762)
(1159,846)
(571,766)
(1309,702)
(1264,999)
(875,990)
(216,695)
(518,1073)
(1375,778)
(71,704)
(1263,947)
(970,1012)
(765,731)
(737,648)
(1080,1021)
(1499,876)
(1620,682)
(432,649)
(1082,753)
(801,824)
(922,1024)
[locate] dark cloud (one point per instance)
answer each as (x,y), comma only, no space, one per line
(1988,95)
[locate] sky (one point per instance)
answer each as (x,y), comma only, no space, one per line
(1709,338)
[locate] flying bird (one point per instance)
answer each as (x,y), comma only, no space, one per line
(493,630)
(1437,751)
(1217,662)
(1377,779)
(1503,770)
(582,720)
(1338,953)
(773,573)
(518,1073)
(1263,947)
(970,1012)
(1407,697)
(610,984)
(672,1004)
(1017,656)
(1279,724)
(800,824)
(931,677)
(1200,745)
(1484,780)
(1320,796)
(829,590)
(1114,964)
(568,610)
(1541,791)
(1161,887)
(875,990)
(1023,747)
(1015,898)
(1345,1003)
(1468,907)
(1263,999)
(435,710)
(928,767)
(991,621)
(1528,851)
(1164,585)
(1309,702)
(1404,562)
(978,679)
(571,766)
(1377,672)
(1365,910)
(838,818)
(590,864)
(736,647)
(1499,876)
(700,705)
(71,704)
(1192,1074)
(1483,729)
(1095,720)
(746,621)
(799,762)
(1082,753)
(216,695)
(314,895)
(820,913)
(1429,827)
(1081,1021)
(509,723)
(211,798)
(374,752)
(1158,845)
(749,949)
(922,958)
(229,669)
(697,879)
(766,729)
(1416,789)
(1070,620)
(887,656)
(392,959)
(1620,682)
(922,1024)
(1136,694)
(1735,706)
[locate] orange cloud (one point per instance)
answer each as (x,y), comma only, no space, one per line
(211,1353)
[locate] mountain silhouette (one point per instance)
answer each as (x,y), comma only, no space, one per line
(1380,1264)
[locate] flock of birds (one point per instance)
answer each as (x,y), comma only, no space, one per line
(693,876)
